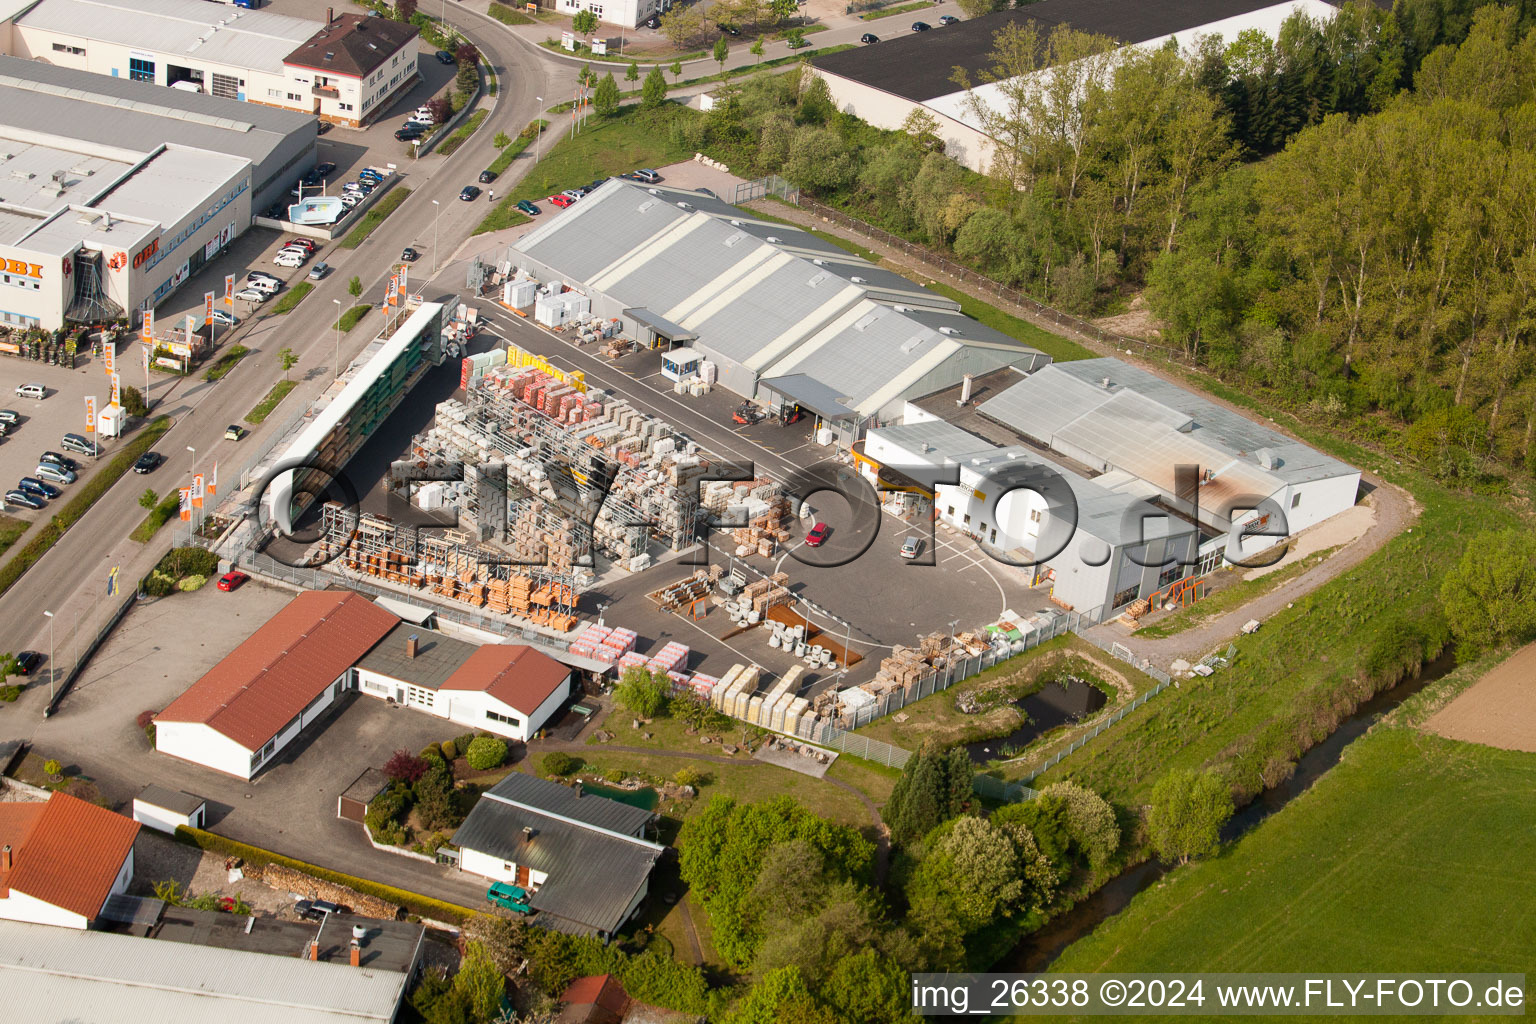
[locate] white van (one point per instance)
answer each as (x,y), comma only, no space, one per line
(265,285)
(31,391)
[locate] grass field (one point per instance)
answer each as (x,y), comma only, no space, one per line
(516,147)
(290,300)
(463,132)
(226,362)
(887,12)
(374,217)
(351,318)
(264,408)
(1413,854)
(11,530)
(507,16)
(1054,345)
(607,146)
(1234,595)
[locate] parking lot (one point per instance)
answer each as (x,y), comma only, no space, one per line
(44,422)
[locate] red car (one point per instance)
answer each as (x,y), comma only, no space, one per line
(561,200)
(232,580)
(307,243)
(817,535)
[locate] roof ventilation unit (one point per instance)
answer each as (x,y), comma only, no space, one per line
(683,206)
(948,330)
(646,205)
(910,345)
(1105,382)
(856,280)
(774,239)
(1267,459)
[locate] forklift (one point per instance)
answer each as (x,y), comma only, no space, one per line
(790,414)
(747,414)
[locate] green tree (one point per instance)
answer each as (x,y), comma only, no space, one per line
(677,71)
(756,50)
(502,140)
(355,287)
(1046,819)
(974,869)
(642,691)
(683,23)
(869,988)
(632,73)
(486,752)
(653,92)
(1095,832)
(468,78)
(480,983)
(722,53)
(502,938)
(605,99)
(558,762)
(1489,596)
(934,786)
(133,401)
(584,23)
(52,768)
(976,8)
(1186,815)
(783,10)
(286,357)
(780,997)
(148,499)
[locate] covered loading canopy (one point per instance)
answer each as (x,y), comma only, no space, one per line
(660,327)
(810,394)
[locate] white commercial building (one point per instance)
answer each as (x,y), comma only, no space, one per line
(344,69)
(625,13)
(113,194)
(886,84)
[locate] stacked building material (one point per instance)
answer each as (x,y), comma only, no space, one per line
(621,640)
(631,660)
(673,656)
(701,685)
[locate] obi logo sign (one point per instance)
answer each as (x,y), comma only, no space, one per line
(145,254)
(23,268)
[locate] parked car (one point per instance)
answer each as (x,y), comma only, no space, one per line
(573,193)
(512,897)
(234,432)
(646,175)
(294,252)
(869,37)
(469,193)
(653,22)
(25,500)
(920,26)
(949,19)
(148,462)
(351,199)
(54,474)
(528,208)
(730,30)
(409,255)
(32,391)
(370,175)
(76,443)
(224,319)
(817,535)
(319,270)
(232,580)
(38,488)
(325,169)
(444,57)
(486,177)
(9,418)
(911,546)
(596,184)
(262,275)
(795,42)
(251,295)
(288,260)
(316,910)
(560,199)
(307,244)
(407,134)
(26,661)
(62,461)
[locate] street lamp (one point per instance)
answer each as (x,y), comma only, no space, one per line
(337,327)
(53,671)
(435,218)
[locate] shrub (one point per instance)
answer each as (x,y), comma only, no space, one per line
(9,693)
(157,584)
(144,718)
(461,743)
(558,762)
(402,767)
(1091,820)
(614,775)
(486,752)
(450,751)
(688,776)
(431,752)
(191,583)
(642,691)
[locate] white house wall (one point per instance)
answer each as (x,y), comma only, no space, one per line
(467,707)
(18,906)
(159,818)
(496,869)
(193,741)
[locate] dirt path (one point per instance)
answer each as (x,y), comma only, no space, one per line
(1394,509)
(1499,710)
(694,949)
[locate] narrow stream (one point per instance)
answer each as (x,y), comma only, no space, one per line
(1038,950)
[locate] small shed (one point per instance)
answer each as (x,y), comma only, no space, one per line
(353,804)
(164,809)
(681,363)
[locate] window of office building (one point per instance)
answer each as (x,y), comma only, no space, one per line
(141,70)
(78,51)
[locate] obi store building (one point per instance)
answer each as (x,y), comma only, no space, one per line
(105,222)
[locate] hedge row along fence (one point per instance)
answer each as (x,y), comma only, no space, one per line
(421,906)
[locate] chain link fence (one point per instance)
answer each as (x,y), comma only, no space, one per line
(84,656)
(950,268)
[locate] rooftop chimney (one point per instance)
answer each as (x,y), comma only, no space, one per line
(410,645)
(359,932)
(5,858)
(330,15)
(314,948)
(965,389)
(357,954)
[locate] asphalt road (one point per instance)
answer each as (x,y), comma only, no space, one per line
(63,580)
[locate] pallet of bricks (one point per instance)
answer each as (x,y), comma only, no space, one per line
(765,531)
(903,668)
(768,593)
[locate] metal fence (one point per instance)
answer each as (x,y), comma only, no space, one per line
(1098,730)
(84,656)
(772,185)
(1001,791)
(950,268)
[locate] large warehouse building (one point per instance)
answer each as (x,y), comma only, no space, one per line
(885,84)
(344,69)
(113,193)
(784,316)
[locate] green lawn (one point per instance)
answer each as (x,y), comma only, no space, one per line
(158,516)
(507,16)
(11,530)
(1413,854)
(1232,596)
(607,146)
(886,12)
(264,408)
(463,132)
(351,318)
(81,501)
(524,139)
(374,217)
(226,362)
(293,297)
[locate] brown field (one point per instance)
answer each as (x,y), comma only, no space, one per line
(1498,710)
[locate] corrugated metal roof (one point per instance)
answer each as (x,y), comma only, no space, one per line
(90,977)
(595,869)
(270,678)
(215,33)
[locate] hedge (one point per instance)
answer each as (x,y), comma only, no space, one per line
(82,501)
(421,906)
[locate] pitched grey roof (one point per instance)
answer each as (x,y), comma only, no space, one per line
(594,871)
(170,799)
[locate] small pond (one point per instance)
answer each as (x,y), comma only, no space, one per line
(1054,704)
(644,798)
